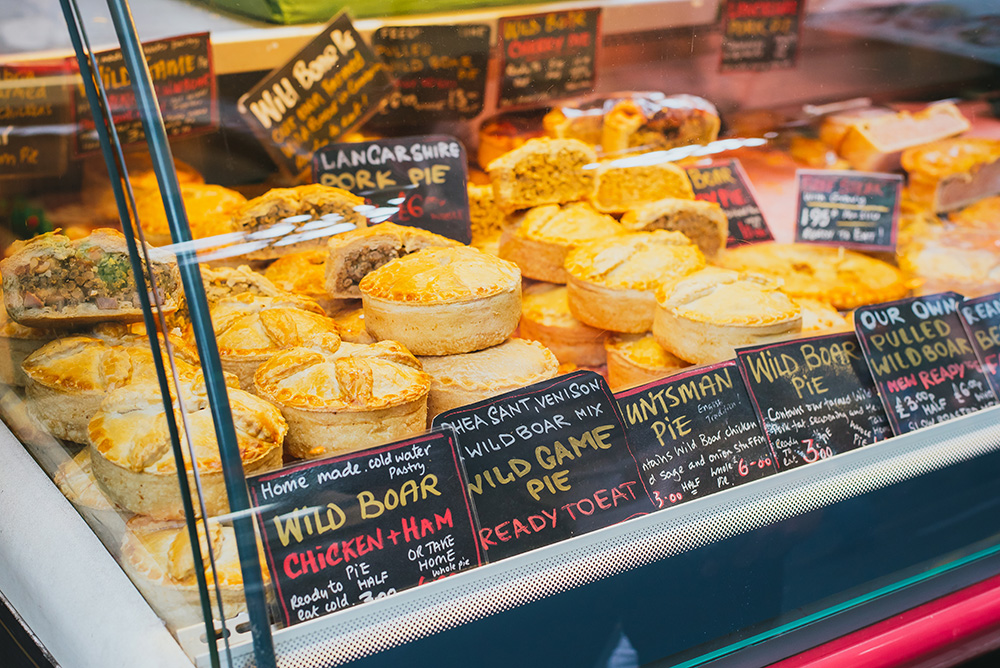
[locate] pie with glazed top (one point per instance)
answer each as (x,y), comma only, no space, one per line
(303,274)
(539,239)
(133,460)
(842,278)
(342,397)
(209,211)
(443,301)
(546,318)
(612,281)
(703,317)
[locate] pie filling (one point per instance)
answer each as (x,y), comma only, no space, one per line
(366,260)
(92,277)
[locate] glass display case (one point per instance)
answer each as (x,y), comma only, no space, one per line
(640,333)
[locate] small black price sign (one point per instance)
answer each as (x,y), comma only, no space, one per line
(814,397)
(857,210)
(981,319)
(35,109)
(760,34)
(547,56)
(184,80)
(417,181)
(922,361)
(546,463)
(440,73)
(725,183)
(695,433)
(346,530)
(329,88)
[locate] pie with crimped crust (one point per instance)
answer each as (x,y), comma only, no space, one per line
(342,397)
(840,277)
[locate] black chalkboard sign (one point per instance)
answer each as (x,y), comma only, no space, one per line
(546,463)
(695,433)
(857,210)
(35,110)
(440,73)
(547,56)
(184,80)
(417,181)
(981,319)
(725,183)
(325,91)
(351,529)
(922,361)
(760,34)
(815,397)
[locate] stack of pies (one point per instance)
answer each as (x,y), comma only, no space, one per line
(704,223)
(543,171)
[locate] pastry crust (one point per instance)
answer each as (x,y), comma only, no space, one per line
(704,223)
(299,206)
(486,219)
(353,255)
(443,301)
(612,281)
(659,123)
(16,343)
(702,318)
(539,239)
(67,379)
(209,212)
(467,378)
(631,182)
(840,277)
(634,359)
(546,318)
(303,274)
(250,330)
(52,281)
(351,325)
(345,397)
(953,173)
(75,479)
(157,557)
(132,456)
(543,171)
(821,318)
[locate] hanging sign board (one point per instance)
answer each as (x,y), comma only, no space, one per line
(351,529)
(760,35)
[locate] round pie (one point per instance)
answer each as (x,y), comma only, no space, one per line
(251,329)
(133,460)
(612,281)
(303,274)
(634,359)
(342,397)
(465,379)
(209,212)
(842,278)
(443,301)
(702,318)
(539,240)
(546,318)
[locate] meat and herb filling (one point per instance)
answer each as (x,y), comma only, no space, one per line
(366,260)
(91,276)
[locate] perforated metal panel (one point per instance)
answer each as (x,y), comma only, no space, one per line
(475,595)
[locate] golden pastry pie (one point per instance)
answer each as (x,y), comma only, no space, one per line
(538,240)
(545,317)
(821,318)
(98,197)
(351,325)
(613,281)
(467,378)
(875,144)
(486,219)
(543,171)
(703,317)
(209,212)
(634,359)
(627,183)
(52,281)
(75,479)
(342,397)
(952,173)
(133,460)
(833,128)
(290,220)
(659,123)
(68,378)
(303,274)
(352,255)
(157,557)
(704,223)
(443,301)
(250,330)
(840,277)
